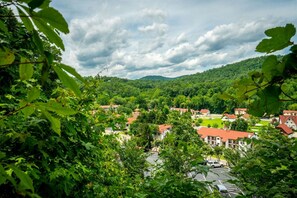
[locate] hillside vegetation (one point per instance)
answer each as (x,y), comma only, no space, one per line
(197,91)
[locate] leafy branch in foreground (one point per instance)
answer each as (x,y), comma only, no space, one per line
(265,89)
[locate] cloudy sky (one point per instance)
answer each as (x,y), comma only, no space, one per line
(136,38)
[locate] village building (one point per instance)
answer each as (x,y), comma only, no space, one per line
(132,119)
(182,110)
(163,130)
(109,107)
(285,129)
(205,112)
(225,138)
(229,117)
(290,121)
(240,111)
(289,113)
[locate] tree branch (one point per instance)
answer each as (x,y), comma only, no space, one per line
(291,99)
(10,113)
(6,65)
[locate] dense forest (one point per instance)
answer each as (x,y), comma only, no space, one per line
(198,91)
(53,140)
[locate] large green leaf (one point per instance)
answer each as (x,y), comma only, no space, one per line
(36,3)
(25,181)
(55,123)
(3,27)
(26,20)
(54,18)
(272,67)
(3,174)
(67,80)
(6,56)
(26,69)
(280,38)
(33,94)
(49,32)
(59,109)
(72,71)
(27,109)
(37,41)
(266,101)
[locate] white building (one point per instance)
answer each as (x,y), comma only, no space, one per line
(221,137)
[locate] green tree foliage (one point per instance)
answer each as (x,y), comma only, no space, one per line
(266,89)
(51,144)
(181,157)
(268,169)
(239,125)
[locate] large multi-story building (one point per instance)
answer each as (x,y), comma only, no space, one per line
(226,138)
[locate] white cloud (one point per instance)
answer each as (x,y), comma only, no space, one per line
(156,14)
(169,37)
(158,28)
(226,35)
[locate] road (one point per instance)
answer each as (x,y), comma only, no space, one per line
(215,175)
(220,176)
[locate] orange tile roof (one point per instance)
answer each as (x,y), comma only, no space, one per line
(240,109)
(230,116)
(164,127)
(204,111)
(285,129)
(246,116)
(131,120)
(223,134)
(289,111)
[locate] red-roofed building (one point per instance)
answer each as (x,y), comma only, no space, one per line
(290,121)
(109,107)
(289,113)
(221,137)
(229,117)
(285,129)
(240,111)
(163,130)
(132,119)
(245,116)
(183,110)
(205,112)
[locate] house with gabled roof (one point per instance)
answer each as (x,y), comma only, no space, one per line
(240,111)
(225,138)
(163,130)
(182,110)
(205,112)
(289,113)
(285,129)
(290,121)
(229,117)
(109,107)
(132,119)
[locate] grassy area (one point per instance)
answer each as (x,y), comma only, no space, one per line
(212,121)
(264,123)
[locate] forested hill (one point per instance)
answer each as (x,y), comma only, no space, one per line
(197,91)
(155,78)
(227,72)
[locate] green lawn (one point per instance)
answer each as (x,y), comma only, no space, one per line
(264,123)
(212,122)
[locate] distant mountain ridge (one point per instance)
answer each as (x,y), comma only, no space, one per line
(230,71)
(157,78)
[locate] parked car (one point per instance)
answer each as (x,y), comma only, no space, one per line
(214,164)
(222,189)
